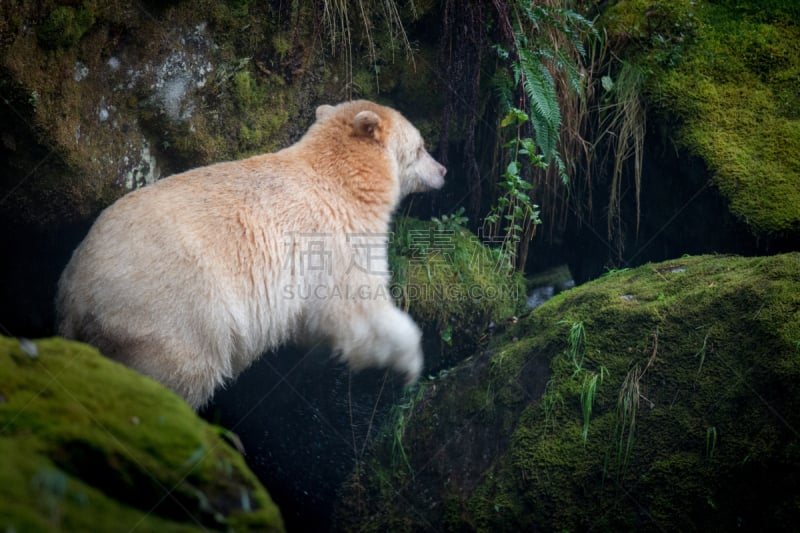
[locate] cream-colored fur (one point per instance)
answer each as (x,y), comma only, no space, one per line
(191,279)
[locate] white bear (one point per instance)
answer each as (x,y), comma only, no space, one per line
(189,280)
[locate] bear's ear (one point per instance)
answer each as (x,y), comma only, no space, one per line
(366,123)
(323,110)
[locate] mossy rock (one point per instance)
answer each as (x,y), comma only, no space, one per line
(454,286)
(727,75)
(690,368)
(89,445)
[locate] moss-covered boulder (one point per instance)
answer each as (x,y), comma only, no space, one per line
(89,445)
(659,398)
(723,78)
(454,286)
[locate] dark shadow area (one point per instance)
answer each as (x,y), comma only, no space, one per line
(33,258)
(682,212)
(303,419)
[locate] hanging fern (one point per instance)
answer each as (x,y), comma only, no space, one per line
(541,55)
(531,73)
(534,60)
(503,86)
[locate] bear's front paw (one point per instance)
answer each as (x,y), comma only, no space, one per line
(410,364)
(390,338)
(406,337)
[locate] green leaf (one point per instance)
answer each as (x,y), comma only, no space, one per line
(447,334)
(512,169)
(514,116)
(528,147)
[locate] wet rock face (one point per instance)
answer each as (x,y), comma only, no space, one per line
(75,135)
(681,213)
(88,106)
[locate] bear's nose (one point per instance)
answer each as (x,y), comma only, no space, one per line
(442,169)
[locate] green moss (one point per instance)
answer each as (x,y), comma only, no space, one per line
(281,44)
(366,83)
(730,77)
(65,26)
(707,350)
(447,279)
(263,108)
(764,9)
(241,6)
(258,111)
(87,444)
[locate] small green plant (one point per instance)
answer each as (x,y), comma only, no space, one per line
(628,407)
(610,272)
(398,450)
(551,399)
(576,345)
(591,381)
(400,416)
(453,222)
(65,26)
(711,441)
(541,59)
(514,217)
(533,58)
(447,334)
(702,352)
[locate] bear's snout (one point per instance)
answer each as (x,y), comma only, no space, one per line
(437,180)
(442,171)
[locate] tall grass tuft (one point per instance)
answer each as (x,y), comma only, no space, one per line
(551,400)
(588,392)
(628,407)
(711,441)
(576,345)
(622,118)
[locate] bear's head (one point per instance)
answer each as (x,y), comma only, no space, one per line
(416,169)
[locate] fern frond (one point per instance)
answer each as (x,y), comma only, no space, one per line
(540,89)
(574,78)
(503,87)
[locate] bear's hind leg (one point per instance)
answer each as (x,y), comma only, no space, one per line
(184,369)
